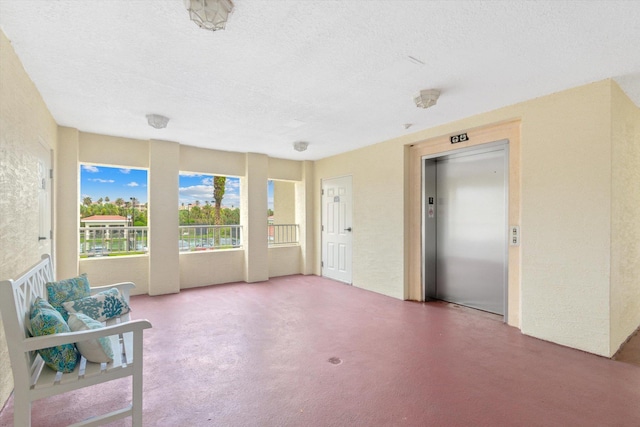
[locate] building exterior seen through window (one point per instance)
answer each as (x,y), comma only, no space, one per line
(113,211)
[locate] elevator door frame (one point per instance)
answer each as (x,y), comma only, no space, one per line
(427,251)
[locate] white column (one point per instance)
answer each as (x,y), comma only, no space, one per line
(66,212)
(304,217)
(164,260)
(253,212)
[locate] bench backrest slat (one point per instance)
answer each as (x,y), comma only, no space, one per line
(16,297)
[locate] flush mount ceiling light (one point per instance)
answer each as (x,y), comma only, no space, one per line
(427,98)
(300,145)
(209,14)
(157,121)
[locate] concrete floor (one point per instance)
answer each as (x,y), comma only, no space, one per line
(306,351)
(630,351)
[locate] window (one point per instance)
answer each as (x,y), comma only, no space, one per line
(113,211)
(209,212)
(282,226)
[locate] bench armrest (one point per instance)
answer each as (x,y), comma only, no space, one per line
(45,341)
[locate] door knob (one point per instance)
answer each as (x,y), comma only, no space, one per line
(348,229)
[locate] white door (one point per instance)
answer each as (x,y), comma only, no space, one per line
(336,229)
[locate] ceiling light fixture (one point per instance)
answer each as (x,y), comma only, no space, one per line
(427,98)
(300,145)
(209,14)
(157,121)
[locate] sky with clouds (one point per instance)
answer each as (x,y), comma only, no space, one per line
(102,181)
(200,187)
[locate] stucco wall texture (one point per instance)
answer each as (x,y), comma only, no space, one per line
(625,214)
(25,125)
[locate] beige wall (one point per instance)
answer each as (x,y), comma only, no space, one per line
(305,211)
(164,259)
(67,201)
(109,270)
(200,160)
(625,218)
(378,214)
(253,214)
(25,123)
(284,202)
(284,261)
(211,268)
(283,169)
(566,214)
(113,151)
(566,193)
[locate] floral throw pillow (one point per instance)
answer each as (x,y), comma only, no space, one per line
(97,350)
(101,306)
(67,290)
(46,320)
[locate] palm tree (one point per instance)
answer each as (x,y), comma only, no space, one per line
(119,203)
(219,183)
(86,201)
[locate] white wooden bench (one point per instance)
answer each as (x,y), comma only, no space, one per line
(34,380)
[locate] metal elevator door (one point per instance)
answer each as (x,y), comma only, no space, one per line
(467,254)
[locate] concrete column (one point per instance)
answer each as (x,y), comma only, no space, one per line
(304,217)
(66,210)
(253,211)
(164,261)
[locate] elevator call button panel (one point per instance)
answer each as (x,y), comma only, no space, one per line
(514,235)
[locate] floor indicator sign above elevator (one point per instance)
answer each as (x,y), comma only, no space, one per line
(459,138)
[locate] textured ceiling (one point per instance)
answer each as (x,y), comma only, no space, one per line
(338,74)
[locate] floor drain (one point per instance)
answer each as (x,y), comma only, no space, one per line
(335,360)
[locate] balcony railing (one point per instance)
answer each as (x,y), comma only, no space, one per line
(112,241)
(283,234)
(208,237)
(118,241)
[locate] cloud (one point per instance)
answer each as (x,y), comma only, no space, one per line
(197,192)
(191,174)
(204,193)
(232,185)
(103,181)
(125,171)
(90,168)
(132,184)
(208,181)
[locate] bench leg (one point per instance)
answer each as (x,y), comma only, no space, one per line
(21,408)
(136,416)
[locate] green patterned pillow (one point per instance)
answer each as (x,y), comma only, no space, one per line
(45,320)
(67,290)
(101,306)
(97,350)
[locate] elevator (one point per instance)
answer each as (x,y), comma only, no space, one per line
(465,227)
